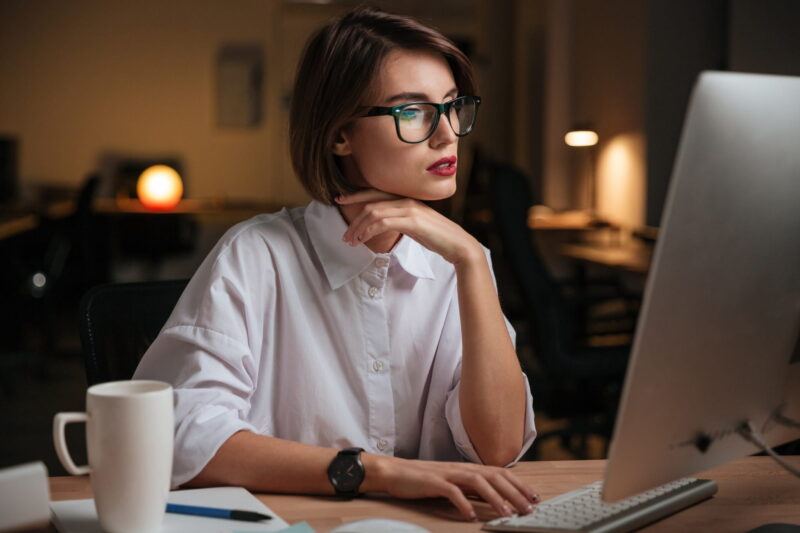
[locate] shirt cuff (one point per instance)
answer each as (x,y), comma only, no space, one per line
(199,436)
(461,438)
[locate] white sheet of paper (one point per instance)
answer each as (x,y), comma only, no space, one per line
(80,516)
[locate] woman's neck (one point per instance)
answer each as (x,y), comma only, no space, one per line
(382,243)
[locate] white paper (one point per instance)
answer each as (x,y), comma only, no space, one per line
(80,516)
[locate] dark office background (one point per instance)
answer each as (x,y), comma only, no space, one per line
(93,91)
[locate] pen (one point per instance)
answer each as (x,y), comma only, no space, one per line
(214,512)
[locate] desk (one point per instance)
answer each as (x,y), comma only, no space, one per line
(579,220)
(11,225)
(752,492)
(238,210)
(634,258)
(20,221)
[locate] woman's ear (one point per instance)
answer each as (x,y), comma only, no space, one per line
(341,144)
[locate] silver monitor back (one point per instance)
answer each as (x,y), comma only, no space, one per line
(717,341)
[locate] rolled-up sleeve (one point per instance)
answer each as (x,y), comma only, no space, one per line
(205,352)
(212,392)
(460,436)
(451,336)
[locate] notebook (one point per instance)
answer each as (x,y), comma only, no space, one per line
(80,516)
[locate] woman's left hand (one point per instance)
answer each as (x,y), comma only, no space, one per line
(388,212)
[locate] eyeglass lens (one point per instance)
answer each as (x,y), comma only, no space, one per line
(416,122)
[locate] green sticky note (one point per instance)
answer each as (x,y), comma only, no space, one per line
(300,527)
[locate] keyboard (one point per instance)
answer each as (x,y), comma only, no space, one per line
(583,509)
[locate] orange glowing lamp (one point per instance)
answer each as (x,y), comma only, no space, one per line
(159,188)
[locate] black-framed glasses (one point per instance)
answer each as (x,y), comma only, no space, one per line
(415,122)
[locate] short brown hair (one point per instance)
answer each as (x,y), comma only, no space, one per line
(335,77)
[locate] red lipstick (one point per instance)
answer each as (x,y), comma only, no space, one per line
(445,166)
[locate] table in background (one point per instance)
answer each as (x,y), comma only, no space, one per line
(199,207)
(752,492)
(635,257)
(16,220)
(599,242)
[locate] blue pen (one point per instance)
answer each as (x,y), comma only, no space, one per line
(214,512)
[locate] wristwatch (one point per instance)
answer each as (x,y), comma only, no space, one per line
(346,472)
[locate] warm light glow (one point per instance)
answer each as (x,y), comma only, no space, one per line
(621,180)
(160,188)
(581,138)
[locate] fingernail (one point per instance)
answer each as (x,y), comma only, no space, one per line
(534,498)
(507,510)
(473,517)
(529,509)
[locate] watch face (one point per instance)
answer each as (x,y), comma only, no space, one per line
(345,473)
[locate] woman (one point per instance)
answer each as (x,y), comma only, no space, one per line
(365,318)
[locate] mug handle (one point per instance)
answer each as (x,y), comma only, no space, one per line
(59,422)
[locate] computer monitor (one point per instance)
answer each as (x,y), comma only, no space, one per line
(718,338)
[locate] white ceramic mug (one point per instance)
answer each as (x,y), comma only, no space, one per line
(129,438)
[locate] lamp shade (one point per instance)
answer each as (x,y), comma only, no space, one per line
(581,138)
(159,188)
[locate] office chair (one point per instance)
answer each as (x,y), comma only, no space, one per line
(118,322)
(572,381)
(45,271)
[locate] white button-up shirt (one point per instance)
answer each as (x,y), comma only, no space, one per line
(285,330)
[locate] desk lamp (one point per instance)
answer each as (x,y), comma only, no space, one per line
(159,188)
(585,138)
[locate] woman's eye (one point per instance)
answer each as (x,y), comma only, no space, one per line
(409,114)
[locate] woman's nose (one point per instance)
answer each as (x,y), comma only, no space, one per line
(444,134)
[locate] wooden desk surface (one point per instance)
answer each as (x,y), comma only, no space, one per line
(188,206)
(633,258)
(752,492)
(11,225)
(576,220)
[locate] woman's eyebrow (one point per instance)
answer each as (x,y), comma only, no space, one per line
(416,96)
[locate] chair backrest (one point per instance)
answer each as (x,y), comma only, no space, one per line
(511,198)
(119,321)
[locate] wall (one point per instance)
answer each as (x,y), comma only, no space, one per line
(557,175)
(83,78)
(594,74)
(765,36)
(684,37)
(608,92)
(88,77)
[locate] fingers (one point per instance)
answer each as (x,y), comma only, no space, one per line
(511,493)
(369,216)
(484,489)
(376,228)
(528,492)
(456,497)
(498,487)
(367,195)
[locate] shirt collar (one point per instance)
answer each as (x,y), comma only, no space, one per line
(342,262)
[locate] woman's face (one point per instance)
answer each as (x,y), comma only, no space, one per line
(371,153)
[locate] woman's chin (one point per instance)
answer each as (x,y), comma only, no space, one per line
(437,191)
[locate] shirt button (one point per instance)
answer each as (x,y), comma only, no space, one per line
(382,444)
(381,262)
(373,292)
(377,366)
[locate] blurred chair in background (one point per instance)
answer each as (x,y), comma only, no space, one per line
(574,382)
(48,269)
(118,322)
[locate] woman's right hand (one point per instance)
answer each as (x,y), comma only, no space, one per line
(406,478)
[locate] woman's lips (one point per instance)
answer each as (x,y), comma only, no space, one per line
(446,166)
(446,170)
